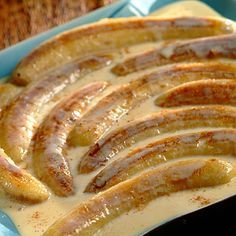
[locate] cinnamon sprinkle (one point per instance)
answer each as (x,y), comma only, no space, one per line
(201,200)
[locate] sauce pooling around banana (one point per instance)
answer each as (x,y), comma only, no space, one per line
(123,112)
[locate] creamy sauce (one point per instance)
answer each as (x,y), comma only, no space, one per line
(35,219)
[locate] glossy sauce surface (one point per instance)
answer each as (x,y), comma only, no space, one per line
(35,219)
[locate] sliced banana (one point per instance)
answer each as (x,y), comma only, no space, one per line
(110,35)
(123,99)
(101,117)
(217,142)
(7,93)
(154,125)
(200,93)
(89,217)
(20,120)
(18,183)
(183,51)
(49,162)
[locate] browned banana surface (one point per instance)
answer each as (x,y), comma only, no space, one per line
(7,93)
(91,216)
(217,142)
(73,69)
(101,117)
(109,35)
(49,162)
(20,121)
(19,184)
(154,125)
(200,92)
(115,105)
(196,49)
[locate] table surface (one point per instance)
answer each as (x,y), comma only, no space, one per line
(21,19)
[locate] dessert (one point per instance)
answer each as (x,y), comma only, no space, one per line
(122,100)
(21,118)
(189,50)
(88,217)
(104,124)
(109,35)
(216,142)
(166,121)
(200,93)
(49,163)
(18,184)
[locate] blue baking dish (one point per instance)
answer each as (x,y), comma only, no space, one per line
(11,56)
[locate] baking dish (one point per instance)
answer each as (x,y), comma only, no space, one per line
(121,8)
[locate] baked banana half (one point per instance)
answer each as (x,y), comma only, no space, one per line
(101,117)
(199,93)
(90,216)
(111,35)
(19,184)
(153,125)
(49,162)
(183,51)
(216,142)
(109,86)
(123,99)
(7,93)
(20,121)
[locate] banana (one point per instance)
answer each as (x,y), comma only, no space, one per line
(49,162)
(19,184)
(7,93)
(190,50)
(101,117)
(120,101)
(89,217)
(154,125)
(199,93)
(20,119)
(217,142)
(110,35)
